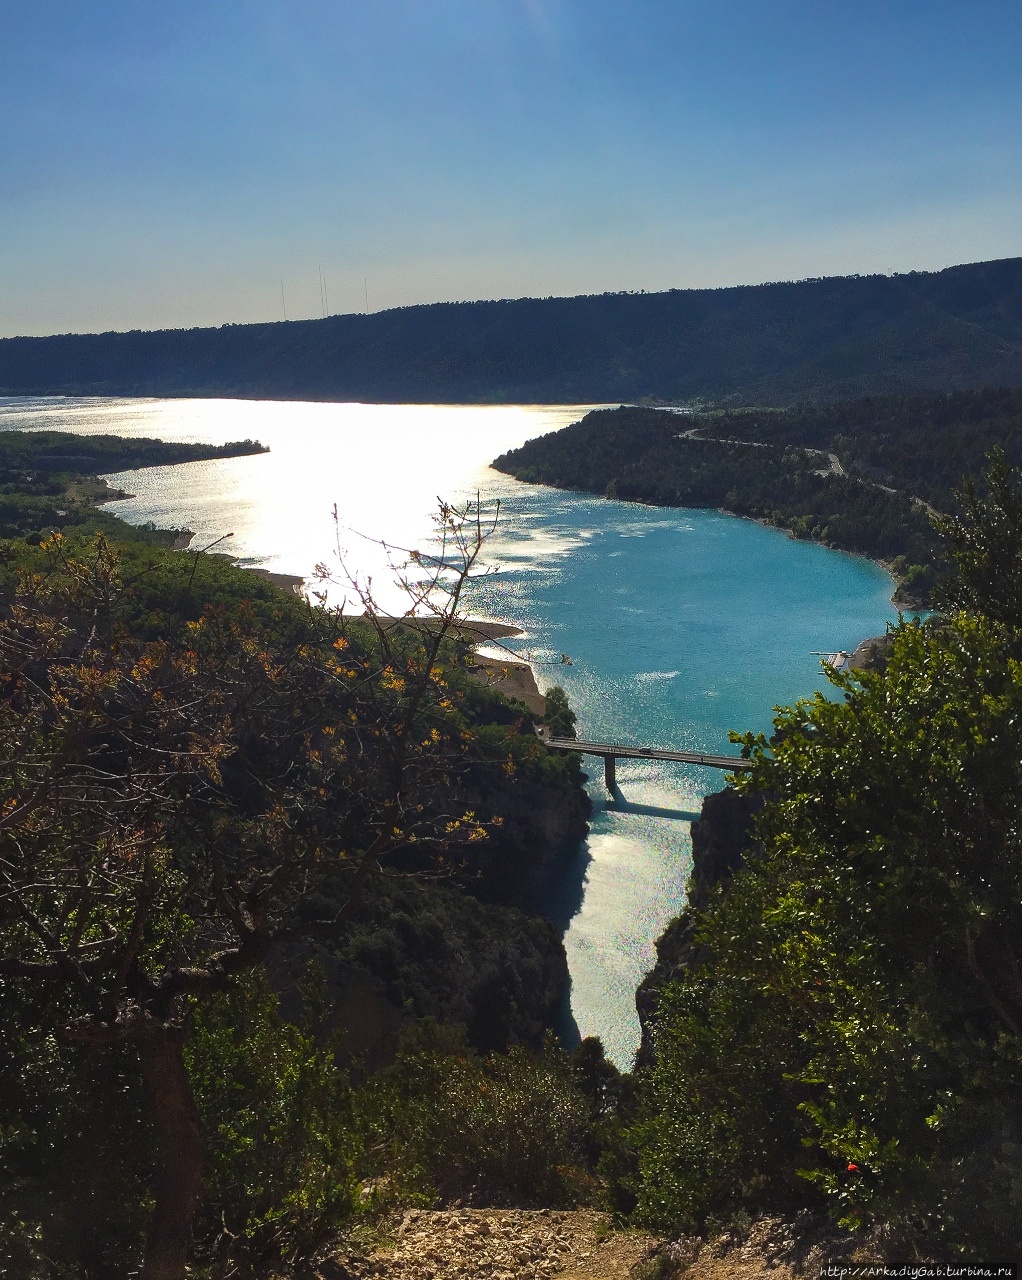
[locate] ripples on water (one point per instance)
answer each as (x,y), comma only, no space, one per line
(680,625)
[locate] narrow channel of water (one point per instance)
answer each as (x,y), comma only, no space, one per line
(679,625)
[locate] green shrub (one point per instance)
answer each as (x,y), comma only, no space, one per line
(719,1130)
(851,1028)
(559,715)
(507,1129)
(282,1138)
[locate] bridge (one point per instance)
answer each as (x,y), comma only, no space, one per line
(614,751)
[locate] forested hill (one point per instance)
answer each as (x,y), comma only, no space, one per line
(25,455)
(861,475)
(772,344)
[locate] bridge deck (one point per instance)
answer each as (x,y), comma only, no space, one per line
(617,750)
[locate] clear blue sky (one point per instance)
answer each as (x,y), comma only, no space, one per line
(165,162)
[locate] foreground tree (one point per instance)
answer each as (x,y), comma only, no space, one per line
(984,544)
(854,1015)
(848,1030)
(170,811)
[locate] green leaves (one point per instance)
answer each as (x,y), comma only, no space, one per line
(283,1139)
(509,1128)
(855,1007)
(985,544)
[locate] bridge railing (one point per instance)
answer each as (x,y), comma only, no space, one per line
(614,751)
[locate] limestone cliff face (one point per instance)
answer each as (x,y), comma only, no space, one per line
(441,953)
(473,949)
(722,838)
(542,821)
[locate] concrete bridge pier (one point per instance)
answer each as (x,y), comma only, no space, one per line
(610,773)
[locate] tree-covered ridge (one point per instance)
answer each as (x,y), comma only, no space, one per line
(649,455)
(823,339)
(921,445)
(857,475)
(26,454)
(48,479)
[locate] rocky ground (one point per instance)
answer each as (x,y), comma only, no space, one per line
(768,1249)
(496,1244)
(518,1244)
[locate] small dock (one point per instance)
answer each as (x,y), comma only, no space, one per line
(614,751)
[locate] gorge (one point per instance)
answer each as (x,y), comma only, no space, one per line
(679,625)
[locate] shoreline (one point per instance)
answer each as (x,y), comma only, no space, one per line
(509,675)
(910,605)
(481,628)
(97,491)
(286,581)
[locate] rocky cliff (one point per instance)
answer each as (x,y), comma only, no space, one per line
(543,816)
(722,838)
(473,948)
(423,949)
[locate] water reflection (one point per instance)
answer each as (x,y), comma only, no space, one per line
(680,625)
(384,469)
(620,804)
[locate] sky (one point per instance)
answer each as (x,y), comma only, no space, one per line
(169,164)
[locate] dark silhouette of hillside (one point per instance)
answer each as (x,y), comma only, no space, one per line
(778,344)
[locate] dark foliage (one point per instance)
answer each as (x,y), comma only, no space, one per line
(643,455)
(298,1146)
(74,1149)
(921,445)
(766,344)
(984,541)
(27,455)
(560,719)
(440,953)
(508,1129)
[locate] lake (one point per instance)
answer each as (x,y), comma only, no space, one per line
(680,625)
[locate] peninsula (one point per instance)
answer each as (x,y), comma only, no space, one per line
(866,476)
(50,480)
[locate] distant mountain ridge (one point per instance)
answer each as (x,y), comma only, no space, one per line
(771,344)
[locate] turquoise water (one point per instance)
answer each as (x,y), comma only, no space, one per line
(679,625)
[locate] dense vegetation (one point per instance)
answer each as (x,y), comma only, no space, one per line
(48,479)
(201,774)
(299,1146)
(231,825)
(766,344)
(25,455)
(645,455)
(921,445)
(845,1030)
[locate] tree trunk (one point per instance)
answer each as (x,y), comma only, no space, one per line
(179,1155)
